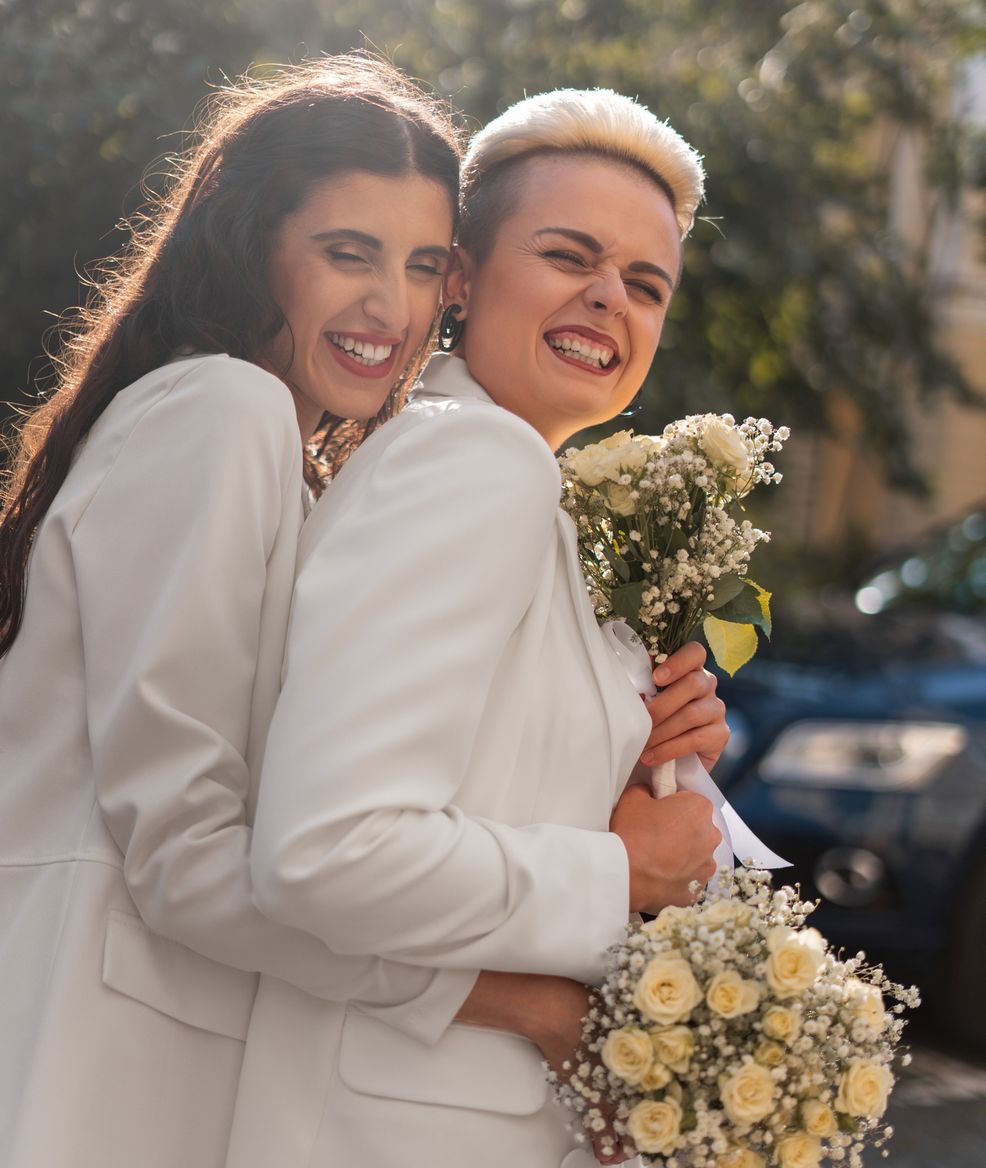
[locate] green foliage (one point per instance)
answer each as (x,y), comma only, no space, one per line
(794,285)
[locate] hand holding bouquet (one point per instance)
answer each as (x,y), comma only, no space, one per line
(727,1035)
(662,552)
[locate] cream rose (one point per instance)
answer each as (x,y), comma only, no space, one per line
(863,1089)
(725,912)
(615,441)
(667,919)
(819,1119)
(799,1150)
(667,991)
(628,1052)
(619,499)
(674,1046)
(729,995)
(748,1094)
(782,1023)
(769,1054)
(741,1157)
(795,959)
(590,464)
(864,1007)
(729,453)
(655,1126)
(657,1077)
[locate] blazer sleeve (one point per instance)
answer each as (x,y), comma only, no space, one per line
(441,540)
(171,567)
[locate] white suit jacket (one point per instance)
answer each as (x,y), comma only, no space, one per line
(450,739)
(134,707)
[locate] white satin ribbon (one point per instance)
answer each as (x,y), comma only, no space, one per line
(688,774)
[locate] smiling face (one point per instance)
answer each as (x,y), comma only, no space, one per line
(565,313)
(357,272)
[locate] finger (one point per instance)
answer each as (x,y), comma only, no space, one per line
(705,719)
(705,743)
(694,686)
(689,657)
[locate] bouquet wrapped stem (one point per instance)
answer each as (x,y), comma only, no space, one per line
(663,553)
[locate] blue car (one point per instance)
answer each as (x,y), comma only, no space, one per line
(858,752)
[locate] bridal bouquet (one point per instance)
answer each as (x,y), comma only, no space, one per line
(659,542)
(728,1035)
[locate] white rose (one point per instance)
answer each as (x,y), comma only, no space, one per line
(819,1119)
(782,1023)
(796,957)
(769,1054)
(655,1126)
(730,995)
(618,499)
(589,464)
(863,1089)
(741,1157)
(864,1007)
(728,452)
(799,1150)
(667,991)
(726,912)
(628,1052)
(748,1094)
(674,1046)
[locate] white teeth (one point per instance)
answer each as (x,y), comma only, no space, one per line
(361,351)
(597,357)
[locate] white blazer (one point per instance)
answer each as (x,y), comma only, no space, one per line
(450,739)
(134,707)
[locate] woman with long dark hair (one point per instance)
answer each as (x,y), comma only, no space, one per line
(288,280)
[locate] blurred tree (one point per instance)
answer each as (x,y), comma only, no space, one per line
(796,285)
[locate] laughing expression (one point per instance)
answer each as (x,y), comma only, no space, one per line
(564,315)
(357,272)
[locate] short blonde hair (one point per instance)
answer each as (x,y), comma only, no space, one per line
(599,121)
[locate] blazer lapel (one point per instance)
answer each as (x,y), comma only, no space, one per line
(626,716)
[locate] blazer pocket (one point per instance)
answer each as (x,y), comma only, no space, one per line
(174,980)
(487,1070)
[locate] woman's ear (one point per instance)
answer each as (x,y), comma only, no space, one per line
(458,281)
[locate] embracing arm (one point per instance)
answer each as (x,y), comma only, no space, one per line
(171,561)
(419,573)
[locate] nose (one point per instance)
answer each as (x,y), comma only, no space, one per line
(607,293)
(388,304)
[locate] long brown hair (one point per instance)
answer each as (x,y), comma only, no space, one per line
(194,276)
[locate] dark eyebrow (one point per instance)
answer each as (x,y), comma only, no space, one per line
(652,269)
(588,241)
(348,233)
(371,241)
(592,244)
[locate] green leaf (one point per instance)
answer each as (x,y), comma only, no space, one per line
(732,645)
(746,608)
(763,596)
(726,588)
(626,601)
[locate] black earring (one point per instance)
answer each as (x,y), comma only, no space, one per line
(633,407)
(451,329)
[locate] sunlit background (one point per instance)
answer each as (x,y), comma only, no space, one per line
(836,284)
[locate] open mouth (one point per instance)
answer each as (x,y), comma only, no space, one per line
(588,351)
(362,352)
